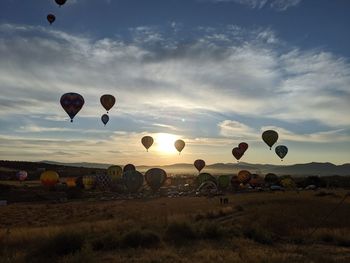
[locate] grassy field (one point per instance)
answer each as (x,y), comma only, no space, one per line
(253,227)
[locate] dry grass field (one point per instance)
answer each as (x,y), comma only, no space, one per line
(253,227)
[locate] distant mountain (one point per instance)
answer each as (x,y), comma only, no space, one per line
(314,168)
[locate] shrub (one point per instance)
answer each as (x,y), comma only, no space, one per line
(258,235)
(178,232)
(63,244)
(140,238)
(211,230)
(106,242)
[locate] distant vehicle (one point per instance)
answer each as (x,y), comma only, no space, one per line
(311,187)
(276,188)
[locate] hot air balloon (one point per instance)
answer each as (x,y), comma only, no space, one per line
(107,101)
(288,183)
(115,172)
(223,181)
(60,2)
(147,142)
(72,103)
(235,182)
(270,137)
(281,151)
(237,153)
(89,182)
(179,145)
(199,164)
(271,179)
(49,178)
(256,181)
(105,119)
(244,176)
(133,180)
(155,178)
(243,146)
(71,182)
(51,18)
(129,167)
(203,177)
(103,181)
(21,175)
(208,188)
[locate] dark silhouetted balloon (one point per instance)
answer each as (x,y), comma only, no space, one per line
(223,181)
(199,164)
(133,180)
(129,167)
(281,151)
(51,18)
(147,142)
(21,175)
(244,176)
(203,177)
(270,137)
(60,2)
(243,146)
(179,145)
(237,153)
(155,178)
(271,179)
(107,101)
(72,103)
(105,119)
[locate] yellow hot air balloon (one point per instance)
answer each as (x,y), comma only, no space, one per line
(89,182)
(115,172)
(179,145)
(147,142)
(49,178)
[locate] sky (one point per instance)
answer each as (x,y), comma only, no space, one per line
(211,72)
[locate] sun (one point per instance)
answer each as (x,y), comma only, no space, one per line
(165,142)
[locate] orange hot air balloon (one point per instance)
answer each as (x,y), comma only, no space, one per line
(51,18)
(179,145)
(71,182)
(244,176)
(107,101)
(49,178)
(270,137)
(147,142)
(199,164)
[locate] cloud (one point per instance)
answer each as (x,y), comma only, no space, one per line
(279,5)
(164,85)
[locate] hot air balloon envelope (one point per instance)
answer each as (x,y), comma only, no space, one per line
(155,178)
(72,103)
(199,164)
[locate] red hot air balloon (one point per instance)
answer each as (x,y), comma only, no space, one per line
(107,101)
(244,176)
(51,18)
(199,164)
(243,146)
(72,104)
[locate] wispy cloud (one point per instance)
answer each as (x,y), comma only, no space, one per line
(161,83)
(280,5)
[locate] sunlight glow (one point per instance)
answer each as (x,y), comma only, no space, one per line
(165,142)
